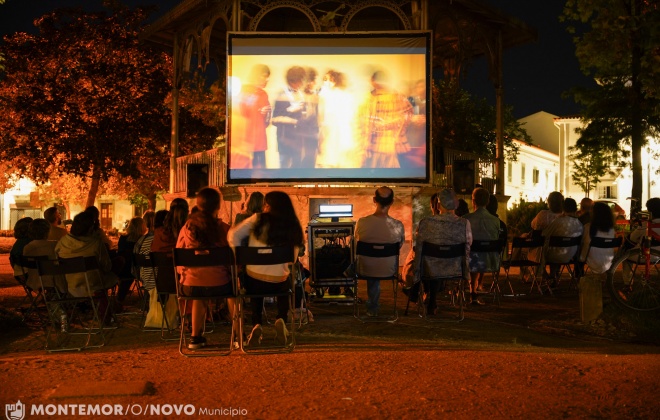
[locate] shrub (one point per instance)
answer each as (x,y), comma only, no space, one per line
(519,217)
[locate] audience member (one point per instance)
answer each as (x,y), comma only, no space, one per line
(22,238)
(566,225)
(633,240)
(442,228)
(254,205)
(546,216)
(462,208)
(82,241)
(54,218)
(277,225)
(379,228)
(601,225)
(485,227)
(204,230)
(40,245)
(492,207)
(165,237)
(584,214)
(136,228)
(98,231)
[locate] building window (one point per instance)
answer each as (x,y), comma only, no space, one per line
(509,172)
(535,176)
(106,215)
(522,174)
(608,191)
(556,181)
(139,209)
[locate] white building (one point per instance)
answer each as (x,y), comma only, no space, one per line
(554,135)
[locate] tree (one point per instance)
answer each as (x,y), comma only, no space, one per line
(589,165)
(465,123)
(620,48)
(84,94)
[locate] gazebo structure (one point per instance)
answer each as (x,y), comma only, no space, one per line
(195,32)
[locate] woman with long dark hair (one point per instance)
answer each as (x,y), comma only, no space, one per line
(601,226)
(277,225)
(165,237)
(204,229)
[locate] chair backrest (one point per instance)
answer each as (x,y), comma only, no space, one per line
(270,255)
(377,250)
(443,251)
(163,266)
(141,261)
(455,268)
(564,241)
(63,266)
(495,245)
(521,242)
(598,242)
(203,257)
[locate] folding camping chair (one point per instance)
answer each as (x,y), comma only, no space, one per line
(519,258)
(568,259)
(496,247)
(161,264)
(374,250)
(246,255)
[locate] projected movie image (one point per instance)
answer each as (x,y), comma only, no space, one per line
(328,107)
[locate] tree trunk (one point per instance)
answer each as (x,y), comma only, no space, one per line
(151,197)
(93,190)
(636,136)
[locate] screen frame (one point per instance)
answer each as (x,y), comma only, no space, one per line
(345,179)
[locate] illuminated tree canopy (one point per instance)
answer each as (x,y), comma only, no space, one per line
(620,49)
(83,97)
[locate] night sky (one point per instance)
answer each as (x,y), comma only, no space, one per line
(535,75)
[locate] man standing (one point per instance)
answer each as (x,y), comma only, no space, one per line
(485,227)
(288,111)
(55,219)
(378,227)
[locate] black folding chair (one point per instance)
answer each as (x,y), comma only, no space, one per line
(495,247)
(558,243)
(33,301)
(64,311)
(602,243)
(519,258)
(161,264)
(198,258)
(246,255)
(445,256)
(376,250)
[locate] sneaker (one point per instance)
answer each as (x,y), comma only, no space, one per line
(196,342)
(281,333)
(236,345)
(372,313)
(254,339)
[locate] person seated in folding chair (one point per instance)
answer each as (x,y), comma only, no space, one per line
(82,241)
(443,228)
(277,225)
(566,225)
(633,240)
(485,227)
(601,225)
(22,239)
(54,218)
(40,246)
(136,228)
(204,229)
(378,228)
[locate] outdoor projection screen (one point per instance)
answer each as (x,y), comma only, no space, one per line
(328,108)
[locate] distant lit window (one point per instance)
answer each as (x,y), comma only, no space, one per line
(522,174)
(509,172)
(535,176)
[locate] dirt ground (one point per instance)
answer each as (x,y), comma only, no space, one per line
(530,357)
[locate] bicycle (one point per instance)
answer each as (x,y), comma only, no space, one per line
(640,291)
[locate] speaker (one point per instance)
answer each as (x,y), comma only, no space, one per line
(197,177)
(463,171)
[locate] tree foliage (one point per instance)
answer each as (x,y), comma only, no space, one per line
(84,98)
(589,165)
(620,48)
(465,123)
